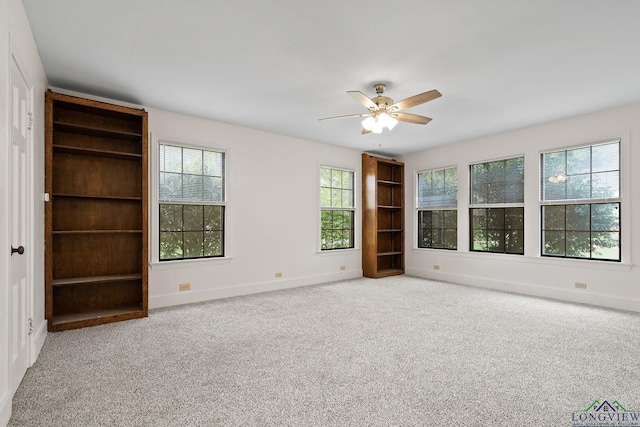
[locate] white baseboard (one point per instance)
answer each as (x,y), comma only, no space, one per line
(37,340)
(246,289)
(577,296)
(5,408)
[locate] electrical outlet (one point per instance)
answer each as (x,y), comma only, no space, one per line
(581,285)
(185,286)
(343,267)
(278,275)
(436,267)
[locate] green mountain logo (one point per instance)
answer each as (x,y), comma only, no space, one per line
(605,406)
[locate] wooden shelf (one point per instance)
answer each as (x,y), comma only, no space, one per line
(98,317)
(95,231)
(382,181)
(97,279)
(393,230)
(389,207)
(389,253)
(390,272)
(96,152)
(95,131)
(87,196)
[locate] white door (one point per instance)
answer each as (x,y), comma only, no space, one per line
(19,219)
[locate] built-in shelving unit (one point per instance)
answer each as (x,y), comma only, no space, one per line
(96,217)
(383,217)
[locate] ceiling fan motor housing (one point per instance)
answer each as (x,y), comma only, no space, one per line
(382,101)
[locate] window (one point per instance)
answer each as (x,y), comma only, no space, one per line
(497,206)
(581,202)
(191,203)
(437,209)
(337,209)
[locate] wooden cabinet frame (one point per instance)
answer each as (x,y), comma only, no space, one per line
(96,236)
(382,217)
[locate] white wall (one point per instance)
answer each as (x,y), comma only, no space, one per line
(272,211)
(16,37)
(608,284)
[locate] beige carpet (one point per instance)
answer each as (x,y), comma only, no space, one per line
(399,351)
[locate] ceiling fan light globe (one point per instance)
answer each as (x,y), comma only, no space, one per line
(369,123)
(383,119)
(377,128)
(391,123)
(387,121)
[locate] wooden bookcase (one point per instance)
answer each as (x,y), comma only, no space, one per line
(96,216)
(382,217)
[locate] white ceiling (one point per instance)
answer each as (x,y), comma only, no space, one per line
(281,65)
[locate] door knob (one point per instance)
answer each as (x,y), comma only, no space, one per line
(19,249)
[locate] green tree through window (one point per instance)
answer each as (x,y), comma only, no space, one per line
(191,202)
(497,206)
(581,202)
(337,209)
(437,209)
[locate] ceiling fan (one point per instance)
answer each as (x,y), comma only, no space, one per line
(383,112)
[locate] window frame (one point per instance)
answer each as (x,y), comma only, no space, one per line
(494,206)
(158,202)
(583,201)
(438,207)
(352,209)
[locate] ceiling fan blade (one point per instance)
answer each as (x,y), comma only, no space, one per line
(363,99)
(364,131)
(411,118)
(412,101)
(345,117)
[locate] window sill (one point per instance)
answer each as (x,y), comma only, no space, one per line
(189,263)
(337,251)
(559,262)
